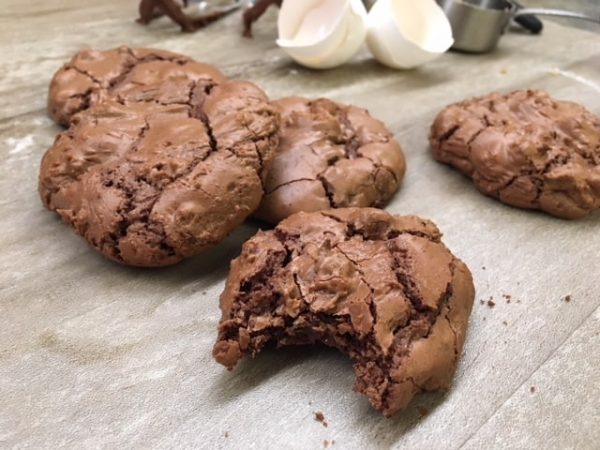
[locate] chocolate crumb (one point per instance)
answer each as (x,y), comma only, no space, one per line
(320,417)
(491,303)
(482,267)
(504,322)
(482,301)
(226,434)
(567,298)
(422,411)
(532,389)
(326,443)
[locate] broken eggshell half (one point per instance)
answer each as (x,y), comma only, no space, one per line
(406,33)
(322,34)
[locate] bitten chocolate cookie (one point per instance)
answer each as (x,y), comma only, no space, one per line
(125,74)
(382,289)
(148,184)
(330,156)
(525,149)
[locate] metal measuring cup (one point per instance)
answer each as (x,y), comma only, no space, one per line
(477,25)
(196,8)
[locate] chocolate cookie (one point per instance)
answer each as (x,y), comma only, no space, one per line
(126,74)
(330,156)
(382,289)
(525,149)
(148,184)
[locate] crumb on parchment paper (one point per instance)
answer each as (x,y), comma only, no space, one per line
(320,417)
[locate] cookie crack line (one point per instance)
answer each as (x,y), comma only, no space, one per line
(259,156)
(356,267)
(130,66)
(329,192)
(448,134)
(287,183)
(431,319)
(125,223)
(406,282)
(124,228)
(469,143)
(445,301)
(378,165)
(84,73)
(392,233)
(372,307)
(196,111)
(351,144)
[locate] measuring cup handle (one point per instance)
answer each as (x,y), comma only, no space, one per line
(555,13)
(530,23)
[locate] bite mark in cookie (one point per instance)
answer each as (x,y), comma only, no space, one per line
(330,156)
(525,149)
(148,184)
(382,289)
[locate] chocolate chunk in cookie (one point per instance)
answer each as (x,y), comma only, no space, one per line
(330,156)
(148,184)
(125,74)
(525,149)
(382,289)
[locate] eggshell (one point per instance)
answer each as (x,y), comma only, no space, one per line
(322,33)
(406,33)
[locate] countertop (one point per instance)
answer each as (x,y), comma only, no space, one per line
(96,355)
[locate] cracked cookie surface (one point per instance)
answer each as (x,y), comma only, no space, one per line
(525,149)
(125,74)
(330,156)
(149,183)
(382,289)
